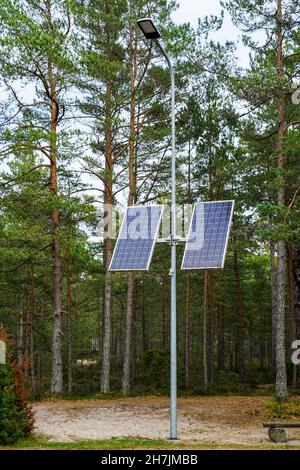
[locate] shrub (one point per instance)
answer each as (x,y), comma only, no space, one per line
(285,410)
(16,417)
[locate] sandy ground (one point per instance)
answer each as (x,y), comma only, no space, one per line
(222,420)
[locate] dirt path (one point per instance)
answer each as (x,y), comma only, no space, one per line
(223,420)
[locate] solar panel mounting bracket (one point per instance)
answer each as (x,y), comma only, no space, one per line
(168,240)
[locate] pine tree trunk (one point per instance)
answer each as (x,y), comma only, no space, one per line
(205,314)
(187,331)
(106,342)
(126,380)
(144,323)
(210,333)
(165,316)
(57,376)
(273,280)
(20,333)
(107,248)
(221,338)
(32,316)
(281,392)
(295,252)
(131,201)
(69,324)
(291,316)
(240,316)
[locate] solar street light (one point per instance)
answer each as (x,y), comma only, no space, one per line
(151,33)
(149,29)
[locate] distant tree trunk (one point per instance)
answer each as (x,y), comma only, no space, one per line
(205,315)
(144,322)
(32,316)
(57,372)
(240,316)
(106,341)
(20,332)
(281,392)
(69,323)
(107,247)
(221,338)
(261,355)
(128,337)
(134,345)
(291,316)
(131,201)
(186,330)
(164,315)
(296,269)
(231,353)
(295,251)
(273,280)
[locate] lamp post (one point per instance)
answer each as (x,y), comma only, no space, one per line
(151,33)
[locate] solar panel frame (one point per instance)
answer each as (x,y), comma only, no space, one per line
(226,240)
(153,241)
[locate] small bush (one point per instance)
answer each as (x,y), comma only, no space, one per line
(284,410)
(16,418)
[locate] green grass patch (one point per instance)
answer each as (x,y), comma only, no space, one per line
(284,410)
(41,443)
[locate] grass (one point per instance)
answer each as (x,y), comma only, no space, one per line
(41,443)
(284,410)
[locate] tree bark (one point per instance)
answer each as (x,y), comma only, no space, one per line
(295,252)
(131,201)
(273,281)
(240,316)
(291,316)
(107,248)
(281,392)
(69,323)
(187,331)
(57,375)
(32,316)
(221,338)
(126,380)
(165,310)
(106,342)
(205,314)
(144,322)
(20,332)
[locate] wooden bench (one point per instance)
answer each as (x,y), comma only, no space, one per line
(277,430)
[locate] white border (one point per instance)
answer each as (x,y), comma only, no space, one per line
(226,241)
(153,244)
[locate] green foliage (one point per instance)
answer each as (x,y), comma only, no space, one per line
(289,409)
(16,419)
(153,371)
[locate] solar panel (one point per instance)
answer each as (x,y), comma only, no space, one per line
(137,237)
(208,235)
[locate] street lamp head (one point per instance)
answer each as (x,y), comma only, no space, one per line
(149,29)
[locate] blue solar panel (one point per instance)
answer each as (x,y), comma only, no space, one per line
(135,244)
(208,235)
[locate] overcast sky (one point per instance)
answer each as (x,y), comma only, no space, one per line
(190,10)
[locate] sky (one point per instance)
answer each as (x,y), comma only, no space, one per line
(190,10)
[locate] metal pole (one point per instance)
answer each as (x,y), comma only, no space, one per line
(173,358)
